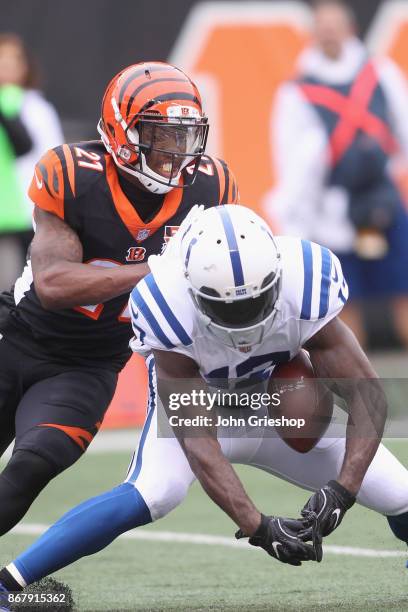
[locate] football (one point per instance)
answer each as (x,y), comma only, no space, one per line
(302,396)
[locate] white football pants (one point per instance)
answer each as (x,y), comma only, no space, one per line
(162,474)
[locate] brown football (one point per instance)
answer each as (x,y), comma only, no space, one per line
(302,396)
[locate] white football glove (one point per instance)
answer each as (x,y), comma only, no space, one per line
(171,253)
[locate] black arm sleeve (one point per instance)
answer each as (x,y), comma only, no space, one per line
(18,135)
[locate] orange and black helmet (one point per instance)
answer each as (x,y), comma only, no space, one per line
(153,125)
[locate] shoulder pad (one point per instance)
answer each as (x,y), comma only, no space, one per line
(227,184)
(313,285)
(53,181)
(64,173)
(88,160)
(162,312)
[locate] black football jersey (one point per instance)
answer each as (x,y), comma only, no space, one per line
(80,184)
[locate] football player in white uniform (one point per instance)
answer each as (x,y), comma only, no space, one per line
(228,301)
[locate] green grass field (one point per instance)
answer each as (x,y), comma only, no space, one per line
(155,575)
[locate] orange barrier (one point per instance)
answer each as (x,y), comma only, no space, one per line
(239,54)
(128,408)
(395,34)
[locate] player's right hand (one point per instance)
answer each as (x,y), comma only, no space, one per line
(279,538)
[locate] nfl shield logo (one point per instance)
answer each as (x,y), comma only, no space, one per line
(142,235)
(244,348)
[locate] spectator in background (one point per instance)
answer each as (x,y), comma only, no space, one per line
(334,131)
(29,126)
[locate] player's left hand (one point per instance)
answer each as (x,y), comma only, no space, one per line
(279,538)
(171,253)
(172,250)
(330,505)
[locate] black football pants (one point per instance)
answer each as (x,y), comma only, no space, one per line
(52,410)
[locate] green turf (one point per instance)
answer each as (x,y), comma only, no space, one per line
(140,575)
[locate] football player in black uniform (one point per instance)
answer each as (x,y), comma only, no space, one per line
(101,208)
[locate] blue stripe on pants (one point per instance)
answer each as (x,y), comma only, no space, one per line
(134,473)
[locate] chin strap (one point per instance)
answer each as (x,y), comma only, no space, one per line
(150,184)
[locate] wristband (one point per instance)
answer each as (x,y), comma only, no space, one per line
(345,495)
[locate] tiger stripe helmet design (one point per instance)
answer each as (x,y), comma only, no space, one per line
(153,125)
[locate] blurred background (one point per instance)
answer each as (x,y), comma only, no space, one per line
(248,58)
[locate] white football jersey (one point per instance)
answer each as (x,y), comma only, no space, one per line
(313,292)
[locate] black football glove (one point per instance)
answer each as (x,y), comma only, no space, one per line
(279,538)
(330,505)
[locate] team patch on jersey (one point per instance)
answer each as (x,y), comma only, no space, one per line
(136,253)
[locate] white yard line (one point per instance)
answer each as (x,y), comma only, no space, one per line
(210,540)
